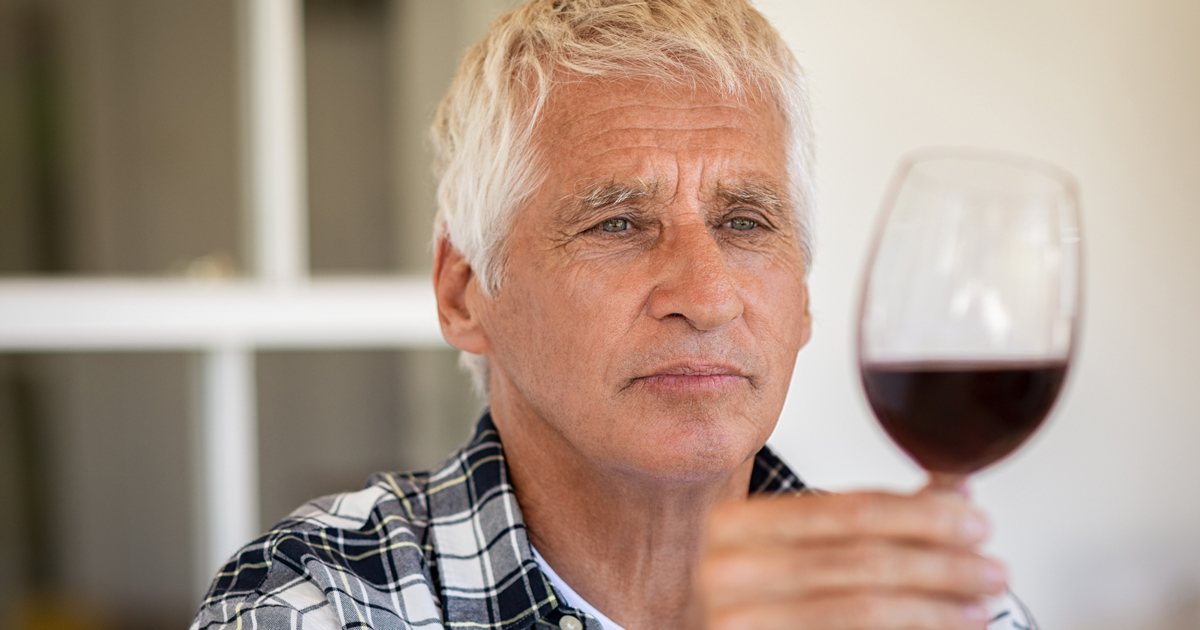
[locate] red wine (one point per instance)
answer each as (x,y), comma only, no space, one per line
(960,417)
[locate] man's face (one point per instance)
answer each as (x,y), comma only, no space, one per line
(654,296)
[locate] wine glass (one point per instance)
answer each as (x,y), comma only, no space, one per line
(970,306)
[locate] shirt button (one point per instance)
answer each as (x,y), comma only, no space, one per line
(570,623)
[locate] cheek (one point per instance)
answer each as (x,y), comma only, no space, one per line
(566,322)
(777,309)
(598,307)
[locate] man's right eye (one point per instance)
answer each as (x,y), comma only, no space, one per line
(614,225)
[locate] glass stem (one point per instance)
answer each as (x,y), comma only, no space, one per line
(949,482)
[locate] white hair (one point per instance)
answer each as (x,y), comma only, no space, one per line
(486,160)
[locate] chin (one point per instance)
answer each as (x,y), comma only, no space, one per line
(696,451)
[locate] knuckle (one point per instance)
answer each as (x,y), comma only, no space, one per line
(970,574)
(876,563)
(861,512)
(943,520)
(961,571)
(951,572)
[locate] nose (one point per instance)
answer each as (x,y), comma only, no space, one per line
(694,282)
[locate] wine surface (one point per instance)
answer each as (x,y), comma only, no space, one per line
(960,417)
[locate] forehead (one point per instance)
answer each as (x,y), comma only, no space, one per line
(597,129)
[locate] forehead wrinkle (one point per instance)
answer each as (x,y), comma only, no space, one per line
(639,162)
(657,130)
(752,163)
(614,121)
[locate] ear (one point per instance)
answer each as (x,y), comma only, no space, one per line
(806,319)
(458,299)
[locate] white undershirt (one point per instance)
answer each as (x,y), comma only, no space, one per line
(573,598)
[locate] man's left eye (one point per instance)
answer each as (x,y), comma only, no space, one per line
(742,224)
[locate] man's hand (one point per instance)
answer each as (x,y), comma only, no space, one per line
(862,561)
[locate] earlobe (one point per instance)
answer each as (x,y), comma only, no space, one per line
(457,292)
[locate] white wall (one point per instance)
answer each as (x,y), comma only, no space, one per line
(1099,516)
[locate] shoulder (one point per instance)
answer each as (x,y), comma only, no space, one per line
(335,562)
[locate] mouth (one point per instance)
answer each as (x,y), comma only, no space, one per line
(692,377)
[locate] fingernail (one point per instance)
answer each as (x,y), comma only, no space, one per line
(975,613)
(973,527)
(995,575)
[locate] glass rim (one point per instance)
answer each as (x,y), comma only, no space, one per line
(912,158)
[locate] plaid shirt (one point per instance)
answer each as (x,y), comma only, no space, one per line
(435,550)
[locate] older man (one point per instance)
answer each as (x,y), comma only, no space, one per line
(622,247)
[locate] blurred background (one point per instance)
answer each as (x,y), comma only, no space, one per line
(129,149)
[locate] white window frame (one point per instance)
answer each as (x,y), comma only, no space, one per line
(226,322)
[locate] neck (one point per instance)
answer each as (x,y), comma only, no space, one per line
(625,542)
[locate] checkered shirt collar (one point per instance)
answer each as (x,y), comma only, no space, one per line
(474,520)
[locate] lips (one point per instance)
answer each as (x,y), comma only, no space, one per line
(693,376)
(697,369)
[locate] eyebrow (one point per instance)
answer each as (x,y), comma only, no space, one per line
(594,198)
(756,193)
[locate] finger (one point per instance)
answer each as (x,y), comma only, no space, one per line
(857,612)
(930,518)
(774,574)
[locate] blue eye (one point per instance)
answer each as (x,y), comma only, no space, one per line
(742,224)
(615,225)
